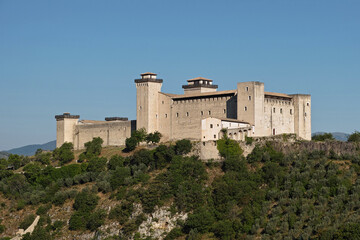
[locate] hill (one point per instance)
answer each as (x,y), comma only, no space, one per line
(340,136)
(282,189)
(29,150)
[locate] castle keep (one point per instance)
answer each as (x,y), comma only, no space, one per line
(198,114)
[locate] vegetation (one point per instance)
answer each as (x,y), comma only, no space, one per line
(354,137)
(265,195)
(139,136)
(323,137)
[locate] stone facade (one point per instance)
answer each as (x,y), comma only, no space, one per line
(198,114)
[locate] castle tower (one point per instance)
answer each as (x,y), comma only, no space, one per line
(65,128)
(199,85)
(147,101)
(250,104)
(302,115)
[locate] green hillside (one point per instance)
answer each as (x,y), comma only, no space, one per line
(168,193)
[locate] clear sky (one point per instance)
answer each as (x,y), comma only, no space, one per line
(82,56)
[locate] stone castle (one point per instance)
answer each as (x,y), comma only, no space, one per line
(198,114)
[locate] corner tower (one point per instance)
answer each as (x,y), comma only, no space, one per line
(147,101)
(65,128)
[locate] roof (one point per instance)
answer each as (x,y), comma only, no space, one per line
(199,78)
(232,120)
(282,95)
(206,94)
(148,73)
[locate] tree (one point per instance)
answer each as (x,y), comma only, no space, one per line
(354,137)
(94,147)
(85,201)
(228,147)
(183,147)
(323,137)
(139,135)
(153,137)
(64,154)
(130,144)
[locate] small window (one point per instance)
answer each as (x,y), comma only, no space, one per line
(214,136)
(211,126)
(247,89)
(187,114)
(165,115)
(245,108)
(156,115)
(290,111)
(307,104)
(249,98)
(281,110)
(140,107)
(305,114)
(204,136)
(162,102)
(217,124)
(177,114)
(204,142)
(202,113)
(209,112)
(224,110)
(274,110)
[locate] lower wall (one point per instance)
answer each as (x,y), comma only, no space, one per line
(112,133)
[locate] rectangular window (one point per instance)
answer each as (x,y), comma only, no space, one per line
(274,110)
(249,98)
(281,110)
(202,113)
(247,89)
(214,136)
(245,109)
(290,111)
(177,114)
(211,126)
(187,114)
(209,112)
(224,110)
(165,115)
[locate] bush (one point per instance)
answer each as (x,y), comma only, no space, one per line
(202,219)
(95,220)
(85,201)
(78,221)
(228,147)
(354,137)
(28,220)
(139,135)
(153,137)
(323,137)
(249,140)
(43,209)
(183,147)
(94,147)
(64,154)
(115,161)
(130,144)
(97,164)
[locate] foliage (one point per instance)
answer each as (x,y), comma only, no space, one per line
(85,201)
(354,137)
(139,135)
(153,137)
(64,154)
(130,144)
(228,148)
(28,220)
(249,140)
(93,148)
(323,137)
(183,147)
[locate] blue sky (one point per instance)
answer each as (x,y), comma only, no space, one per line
(82,56)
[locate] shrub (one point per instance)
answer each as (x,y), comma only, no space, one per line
(183,147)
(115,161)
(139,135)
(130,144)
(322,137)
(97,164)
(96,219)
(85,201)
(64,154)
(202,219)
(28,220)
(78,221)
(43,209)
(354,137)
(249,140)
(228,147)
(153,137)
(94,147)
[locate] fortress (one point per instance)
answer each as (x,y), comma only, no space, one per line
(198,114)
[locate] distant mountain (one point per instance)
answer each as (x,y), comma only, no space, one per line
(340,136)
(30,150)
(4,155)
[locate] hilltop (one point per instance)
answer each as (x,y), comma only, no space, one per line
(270,188)
(29,150)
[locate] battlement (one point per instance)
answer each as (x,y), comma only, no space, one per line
(66,115)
